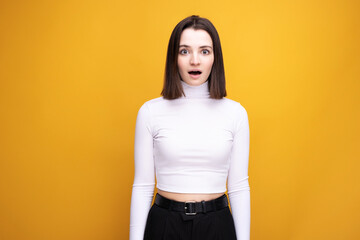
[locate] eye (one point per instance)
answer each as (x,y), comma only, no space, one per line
(183,51)
(205,51)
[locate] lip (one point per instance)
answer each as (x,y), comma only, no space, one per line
(195,76)
(194,70)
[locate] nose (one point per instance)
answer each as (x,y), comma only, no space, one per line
(195,60)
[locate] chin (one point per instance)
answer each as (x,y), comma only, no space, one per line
(196,82)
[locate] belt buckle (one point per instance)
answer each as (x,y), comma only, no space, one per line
(189,206)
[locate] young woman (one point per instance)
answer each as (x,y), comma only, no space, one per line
(196,142)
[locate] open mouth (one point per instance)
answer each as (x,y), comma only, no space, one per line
(196,73)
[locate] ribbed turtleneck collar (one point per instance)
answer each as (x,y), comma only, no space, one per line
(200,91)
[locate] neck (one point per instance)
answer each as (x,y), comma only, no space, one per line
(200,91)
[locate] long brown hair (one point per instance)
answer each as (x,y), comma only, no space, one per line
(172,86)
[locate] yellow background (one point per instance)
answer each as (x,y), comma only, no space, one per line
(73,75)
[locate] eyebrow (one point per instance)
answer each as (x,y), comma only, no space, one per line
(205,46)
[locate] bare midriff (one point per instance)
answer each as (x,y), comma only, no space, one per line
(182,197)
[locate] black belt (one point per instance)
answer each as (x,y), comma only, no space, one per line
(192,207)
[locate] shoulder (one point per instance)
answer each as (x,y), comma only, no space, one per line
(235,106)
(146,107)
(239,115)
(154,101)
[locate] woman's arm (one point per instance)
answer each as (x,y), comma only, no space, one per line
(144,179)
(238,184)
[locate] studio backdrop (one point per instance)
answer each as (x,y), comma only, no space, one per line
(73,75)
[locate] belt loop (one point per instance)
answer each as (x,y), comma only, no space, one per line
(203,206)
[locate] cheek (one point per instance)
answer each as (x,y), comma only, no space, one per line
(180,64)
(209,64)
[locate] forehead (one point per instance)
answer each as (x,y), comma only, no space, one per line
(194,38)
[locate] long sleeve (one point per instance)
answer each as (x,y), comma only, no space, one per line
(238,184)
(144,178)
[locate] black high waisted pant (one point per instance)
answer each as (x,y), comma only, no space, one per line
(164,224)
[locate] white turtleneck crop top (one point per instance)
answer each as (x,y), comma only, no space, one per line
(193,144)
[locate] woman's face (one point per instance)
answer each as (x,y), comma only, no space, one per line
(196,56)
